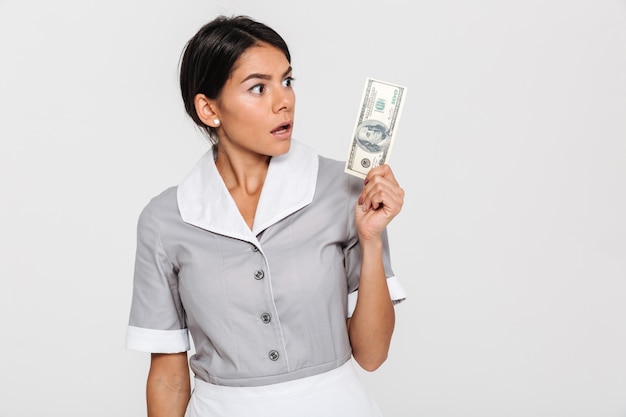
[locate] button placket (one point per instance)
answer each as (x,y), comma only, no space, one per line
(265,317)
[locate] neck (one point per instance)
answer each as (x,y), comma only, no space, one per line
(242,173)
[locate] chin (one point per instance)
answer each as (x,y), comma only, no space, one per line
(282,148)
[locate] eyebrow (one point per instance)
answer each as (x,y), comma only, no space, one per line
(265,76)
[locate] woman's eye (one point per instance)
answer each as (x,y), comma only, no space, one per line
(258,89)
(288,82)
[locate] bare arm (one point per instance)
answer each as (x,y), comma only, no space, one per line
(371,326)
(373,320)
(168,388)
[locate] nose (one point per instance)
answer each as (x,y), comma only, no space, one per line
(284,99)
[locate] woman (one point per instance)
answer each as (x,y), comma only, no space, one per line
(259,252)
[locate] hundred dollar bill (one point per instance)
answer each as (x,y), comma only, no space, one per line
(375,128)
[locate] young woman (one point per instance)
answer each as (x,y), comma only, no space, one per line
(273,258)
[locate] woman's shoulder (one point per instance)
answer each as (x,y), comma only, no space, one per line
(330,164)
(163,203)
(332,174)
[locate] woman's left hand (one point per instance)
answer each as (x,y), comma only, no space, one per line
(380,201)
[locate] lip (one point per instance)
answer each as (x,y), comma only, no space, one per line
(283,130)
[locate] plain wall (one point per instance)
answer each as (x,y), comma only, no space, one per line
(511,149)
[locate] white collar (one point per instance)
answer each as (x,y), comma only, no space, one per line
(205,202)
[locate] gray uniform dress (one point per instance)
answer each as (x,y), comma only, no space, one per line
(265,305)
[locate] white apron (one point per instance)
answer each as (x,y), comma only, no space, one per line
(337,393)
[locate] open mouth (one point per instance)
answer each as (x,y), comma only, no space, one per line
(284,128)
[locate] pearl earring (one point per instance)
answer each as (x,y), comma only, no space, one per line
(217,122)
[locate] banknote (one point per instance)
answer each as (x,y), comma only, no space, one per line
(376,126)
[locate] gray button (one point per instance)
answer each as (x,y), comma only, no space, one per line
(259,274)
(254,248)
(273,355)
(266,318)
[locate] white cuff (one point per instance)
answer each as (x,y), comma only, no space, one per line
(395,291)
(157,341)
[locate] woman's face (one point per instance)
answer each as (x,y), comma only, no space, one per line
(256,105)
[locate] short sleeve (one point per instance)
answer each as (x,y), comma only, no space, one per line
(352,256)
(157,318)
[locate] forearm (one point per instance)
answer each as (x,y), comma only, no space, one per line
(371,326)
(168,387)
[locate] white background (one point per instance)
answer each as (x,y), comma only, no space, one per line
(511,148)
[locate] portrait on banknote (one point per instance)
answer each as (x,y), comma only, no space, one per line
(372,136)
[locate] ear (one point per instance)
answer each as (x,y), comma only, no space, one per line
(206,110)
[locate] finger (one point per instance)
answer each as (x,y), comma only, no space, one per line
(380,184)
(381,193)
(382,171)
